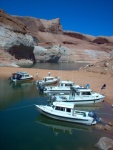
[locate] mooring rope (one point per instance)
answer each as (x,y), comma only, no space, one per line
(20,107)
(34,104)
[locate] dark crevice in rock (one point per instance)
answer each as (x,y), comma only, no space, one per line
(54,58)
(22,52)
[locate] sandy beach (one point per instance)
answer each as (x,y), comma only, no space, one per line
(81,77)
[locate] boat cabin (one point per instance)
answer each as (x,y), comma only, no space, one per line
(49,78)
(80,91)
(19,75)
(66,83)
(62,106)
(67,108)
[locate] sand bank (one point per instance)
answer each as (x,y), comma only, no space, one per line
(81,77)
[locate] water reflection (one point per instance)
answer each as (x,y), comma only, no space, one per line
(11,93)
(60,126)
(60,66)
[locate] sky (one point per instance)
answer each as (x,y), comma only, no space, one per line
(92,17)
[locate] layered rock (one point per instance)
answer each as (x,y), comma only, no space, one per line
(45,41)
(14,38)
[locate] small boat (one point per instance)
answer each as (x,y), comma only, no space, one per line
(67,112)
(20,76)
(79,96)
(47,80)
(63,86)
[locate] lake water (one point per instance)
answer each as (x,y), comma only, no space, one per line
(60,66)
(23,128)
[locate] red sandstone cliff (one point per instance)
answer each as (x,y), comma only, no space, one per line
(19,36)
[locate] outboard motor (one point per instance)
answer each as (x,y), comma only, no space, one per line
(51,97)
(41,87)
(93,115)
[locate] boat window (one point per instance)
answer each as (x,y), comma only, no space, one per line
(57,108)
(60,108)
(78,93)
(26,75)
(50,79)
(85,93)
(68,84)
(68,110)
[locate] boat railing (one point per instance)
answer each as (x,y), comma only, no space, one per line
(79,113)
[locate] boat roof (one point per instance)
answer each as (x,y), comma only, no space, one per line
(49,77)
(66,81)
(81,89)
(64,104)
(22,73)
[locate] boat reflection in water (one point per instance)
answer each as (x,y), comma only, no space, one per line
(61,126)
(21,84)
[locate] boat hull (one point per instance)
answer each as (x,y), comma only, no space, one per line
(65,118)
(42,82)
(77,99)
(19,80)
(84,102)
(56,91)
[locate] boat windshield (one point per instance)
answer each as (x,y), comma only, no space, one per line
(86,93)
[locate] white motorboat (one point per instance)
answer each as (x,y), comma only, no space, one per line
(79,96)
(63,86)
(67,112)
(21,76)
(47,80)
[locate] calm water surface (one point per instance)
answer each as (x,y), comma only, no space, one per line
(60,66)
(23,128)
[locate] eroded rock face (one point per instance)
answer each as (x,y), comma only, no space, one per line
(14,38)
(103,67)
(19,36)
(34,25)
(100,40)
(49,54)
(12,23)
(18,45)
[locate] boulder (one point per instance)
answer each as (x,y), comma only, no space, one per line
(110,123)
(107,127)
(50,54)
(104,143)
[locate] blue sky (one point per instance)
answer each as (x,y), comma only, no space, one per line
(93,17)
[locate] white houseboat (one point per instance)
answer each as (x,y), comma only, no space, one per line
(79,96)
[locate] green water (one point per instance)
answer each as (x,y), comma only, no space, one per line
(23,128)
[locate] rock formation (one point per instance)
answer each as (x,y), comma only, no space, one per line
(14,38)
(104,143)
(40,40)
